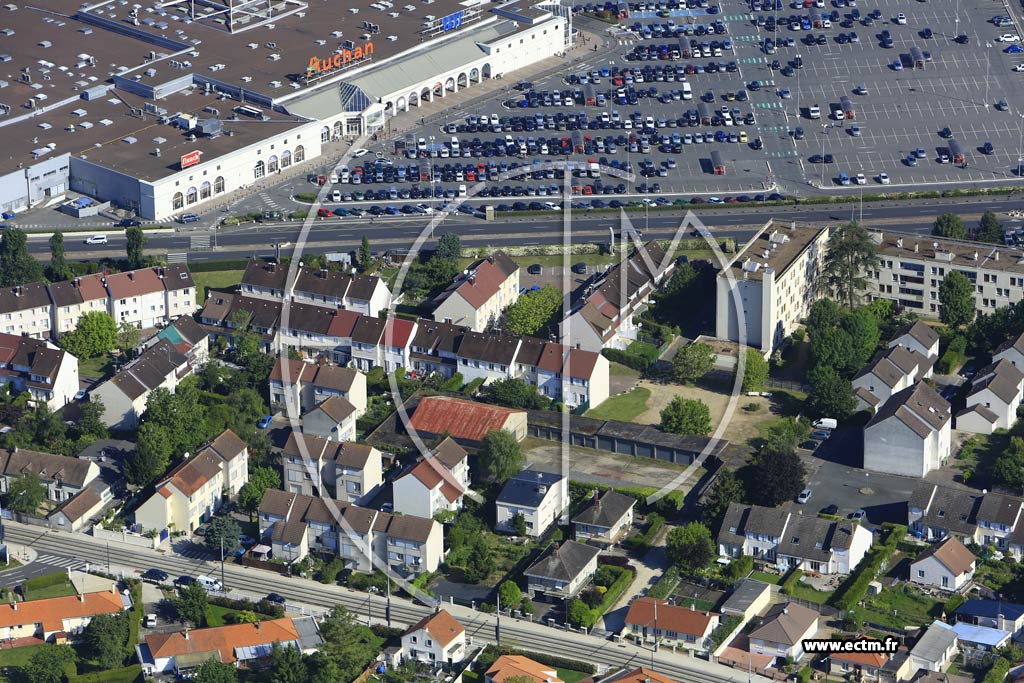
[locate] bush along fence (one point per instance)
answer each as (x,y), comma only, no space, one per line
(855,587)
(492,652)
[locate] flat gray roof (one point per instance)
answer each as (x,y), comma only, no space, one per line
(746,593)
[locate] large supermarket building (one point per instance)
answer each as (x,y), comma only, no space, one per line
(161,108)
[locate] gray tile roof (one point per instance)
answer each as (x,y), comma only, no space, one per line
(563,562)
(606,511)
(528,488)
(919,407)
(785,623)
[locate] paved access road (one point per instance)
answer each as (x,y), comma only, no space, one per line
(480,626)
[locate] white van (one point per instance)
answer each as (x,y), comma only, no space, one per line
(455,146)
(209,583)
(462,190)
(687,92)
(826,423)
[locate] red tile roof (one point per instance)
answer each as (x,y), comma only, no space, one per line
(441,626)
(224,639)
(134,283)
(507,666)
(290,371)
(52,612)
(343,323)
(462,419)
(431,472)
(484,280)
(686,620)
(397,332)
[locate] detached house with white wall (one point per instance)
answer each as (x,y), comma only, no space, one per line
(436,483)
(650,620)
(909,434)
(995,395)
(48,374)
(480,294)
(436,639)
(540,497)
(782,630)
(607,518)
(947,565)
(561,571)
(315,466)
(918,337)
(890,373)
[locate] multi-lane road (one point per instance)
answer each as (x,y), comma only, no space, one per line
(480,626)
(345,234)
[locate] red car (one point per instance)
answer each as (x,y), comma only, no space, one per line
(324,213)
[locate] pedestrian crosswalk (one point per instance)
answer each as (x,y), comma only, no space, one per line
(62,562)
(268,201)
(768,105)
(744,39)
(752,60)
(784,153)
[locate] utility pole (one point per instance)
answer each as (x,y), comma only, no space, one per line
(387,608)
(108,558)
(497,622)
(222,585)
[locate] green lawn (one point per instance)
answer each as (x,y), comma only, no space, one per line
(766,577)
(19,656)
(99,366)
(900,607)
(623,407)
(805,592)
(571,675)
(470,677)
(225,280)
(620,370)
(58,590)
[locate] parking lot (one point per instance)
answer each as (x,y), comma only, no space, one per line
(729,102)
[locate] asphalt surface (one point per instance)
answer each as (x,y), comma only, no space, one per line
(480,627)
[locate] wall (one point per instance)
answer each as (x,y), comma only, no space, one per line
(890,446)
(125,537)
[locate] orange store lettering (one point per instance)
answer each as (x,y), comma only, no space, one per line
(339,59)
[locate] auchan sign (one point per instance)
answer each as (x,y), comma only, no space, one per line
(190,159)
(338,59)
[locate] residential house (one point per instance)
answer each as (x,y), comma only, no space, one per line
(637,675)
(562,570)
(366,294)
(433,348)
(784,539)
(935,649)
(480,294)
(604,318)
(909,434)
(366,343)
(77,512)
(26,310)
(782,630)
(395,344)
(996,392)
(436,639)
(573,376)
(434,484)
(51,618)
(180,652)
(979,643)
(316,466)
(124,395)
(890,373)
(919,337)
(63,477)
(189,495)
(74,298)
(935,512)
(925,676)
(297,387)
(488,357)
(518,666)
(997,518)
(947,565)
(1011,350)
(770,285)
(296,525)
(48,374)
(305,329)
(607,518)
(652,620)
(187,336)
(748,599)
(224,313)
(148,296)
(334,420)
(997,614)
(468,422)
(540,497)
(860,666)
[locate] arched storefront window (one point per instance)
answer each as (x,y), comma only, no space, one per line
(260,169)
(286,159)
(205,190)
(218,185)
(325,134)
(192,196)
(300,154)
(272,166)
(177,201)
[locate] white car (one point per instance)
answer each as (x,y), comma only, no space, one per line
(360,153)
(1019,68)
(423,208)
(804,496)
(97,239)
(884,178)
(861,180)
(149,621)
(901,19)
(814,112)
(1008,38)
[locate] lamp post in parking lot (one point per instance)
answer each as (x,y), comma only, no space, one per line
(988,66)
(1020,141)
(824,132)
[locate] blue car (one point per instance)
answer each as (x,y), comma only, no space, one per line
(1014,49)
(265,421)
(8,215)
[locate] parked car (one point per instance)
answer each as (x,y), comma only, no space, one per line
(129,223)
(580,268)
(275,598)
(826,423)
(265,421)
(184,580)
(81,394)
(189,218)
(96,239)
(810,445)
(804,496)
(149,621)
(155,575)
(534,269)
(858,515)
(821,434)
(830,509)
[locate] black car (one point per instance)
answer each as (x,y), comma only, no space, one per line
(275,598)
(534,269)
(946,133)
(580,268)
(832,509)
(829,159)
(816,159)
(155,575)
(129,223)
(963,39)
(184,580)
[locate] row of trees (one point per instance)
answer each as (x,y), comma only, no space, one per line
(951,226)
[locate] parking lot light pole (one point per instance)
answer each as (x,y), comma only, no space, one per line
(1020,141)
(988,65)
(824,129)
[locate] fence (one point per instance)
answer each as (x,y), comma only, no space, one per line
(773,383)
(125,537)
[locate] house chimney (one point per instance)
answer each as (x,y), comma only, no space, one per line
(272,267)
(14,605)
(81,597)
(113,588)
(186,633)
(323,273)
(131,276)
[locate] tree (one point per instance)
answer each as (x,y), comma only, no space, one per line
(286,664)
(513,392)
(989,229)
(510,595)
(348,645)
(500,457)
(135,247)
(949,225)
(690,547)
(956,294)
(726,490)
(783,436)
(779,477)
(90,419)
(449,247)
(533,311)
(59,269)
(226,530)
(321,669)
(686,416)
(127,337)
(105,639)
(579,615)
(830,395)
(833,348)
(46,426)
(191,604)
(214,671)
(26,493)
(862,327)
(95,333)
(755,370)
(365,253)
(693,362)
(152,454)
(16,265)
(251,494)
(48,664)
(480,563)
(850,254)
(1008,469)
(825,314)
(519,524)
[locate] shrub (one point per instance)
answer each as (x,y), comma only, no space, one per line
(454,383)
(471,388)
(308,197)
(740,567)
(264,607)
(953,356)
(855,587)
(725,629)
(630,360)
(665,584)
(641,543)
(997,672)
(791,581)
